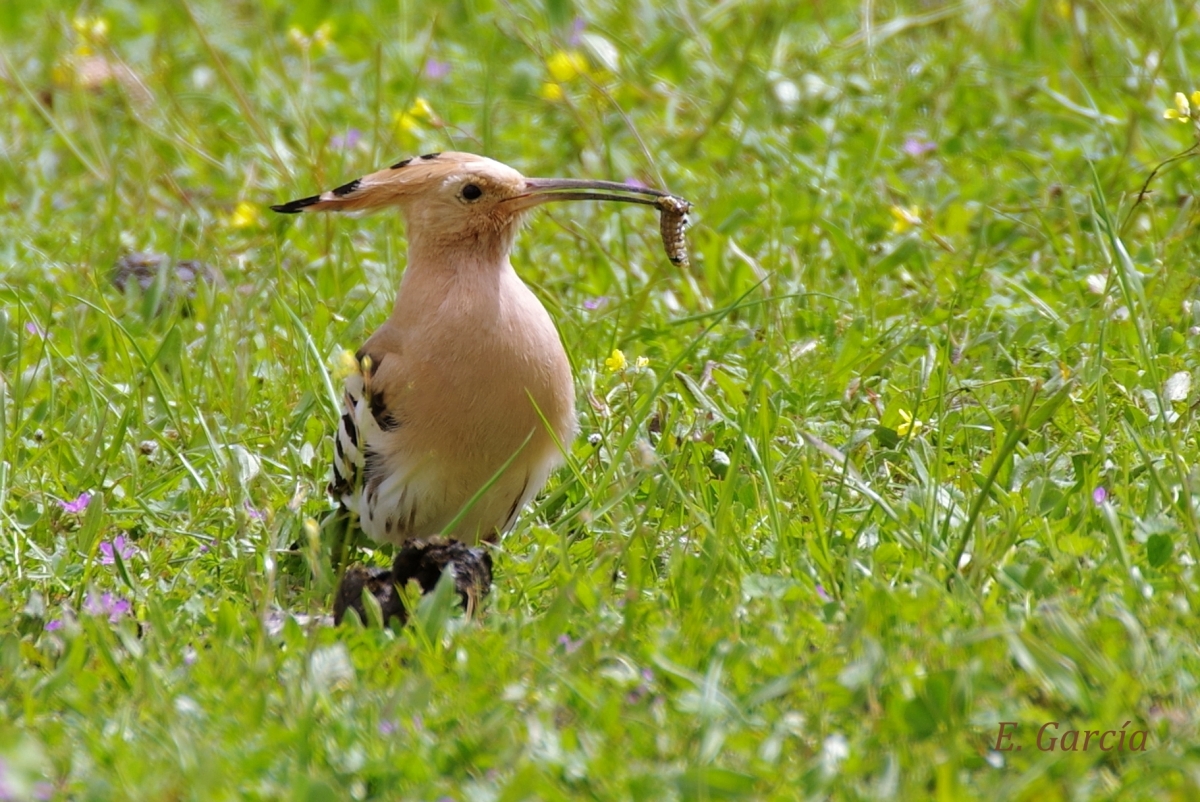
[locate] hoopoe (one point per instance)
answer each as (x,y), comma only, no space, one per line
(464,401)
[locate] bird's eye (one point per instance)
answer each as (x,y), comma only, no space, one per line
(472,192)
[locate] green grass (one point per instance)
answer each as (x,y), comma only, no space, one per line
(784,619)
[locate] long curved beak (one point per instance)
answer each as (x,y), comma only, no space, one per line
(544,190)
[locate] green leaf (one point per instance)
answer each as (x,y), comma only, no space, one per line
(729,386)
(887,436)
(560,12)
(169,351)
(1159,549)
(87,536)
(713,782)
(718,464)
(850,252)
(918,717)
(1047,408)
(906,250)
(434,609)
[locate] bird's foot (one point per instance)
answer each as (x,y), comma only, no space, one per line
(360,579)
(422,560)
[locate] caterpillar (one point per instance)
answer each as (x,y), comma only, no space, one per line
(673,222)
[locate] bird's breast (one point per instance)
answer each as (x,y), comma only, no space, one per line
(488,368)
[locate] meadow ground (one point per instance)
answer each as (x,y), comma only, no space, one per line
(909,451)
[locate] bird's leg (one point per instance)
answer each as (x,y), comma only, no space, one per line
(360,579)
(422,560)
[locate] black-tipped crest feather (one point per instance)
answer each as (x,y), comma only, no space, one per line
(346,189)
(296,206)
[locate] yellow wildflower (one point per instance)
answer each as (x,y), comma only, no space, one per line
(616,362)
(551,92)
(910,424)
(62,74)
(905,218)
(94,29)
(312,531)
(641,362)
(419,113)
(344,365)
(422,110)
(295,35)
(1182,110)
(323,35)
(406,123)
(245,215)
(566,65)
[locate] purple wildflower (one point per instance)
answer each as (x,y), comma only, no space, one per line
(6,789)
(54,624)
(346,141)
(436,70)
(595,303)
(253,513)
(633,182)
(569,645)
(643,689)
(34,329)
(917,146)
(78,505)
(387,726)
(577,27)
(189,655)
(821,592)
(117,546)
(1099,495)
(107,604)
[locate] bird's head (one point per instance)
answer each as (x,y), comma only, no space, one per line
(452,200)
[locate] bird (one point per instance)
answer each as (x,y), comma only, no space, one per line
(463,401)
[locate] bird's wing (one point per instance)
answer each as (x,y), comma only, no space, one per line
(360,434)
(366,478)
(349,444)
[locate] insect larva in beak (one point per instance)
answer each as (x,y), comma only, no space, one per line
(673,222)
